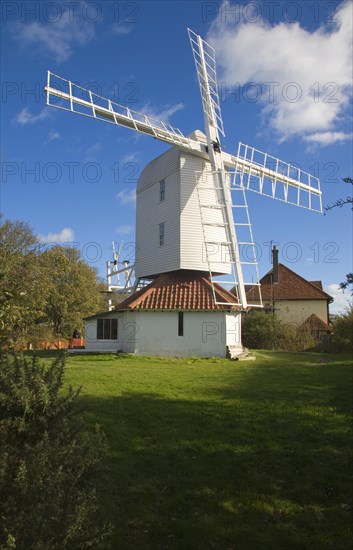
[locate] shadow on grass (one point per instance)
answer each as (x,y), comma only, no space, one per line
(232,474)
(44,353)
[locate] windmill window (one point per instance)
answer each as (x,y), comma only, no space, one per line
(162,190)
(181,323)
(161,233)
(107,329)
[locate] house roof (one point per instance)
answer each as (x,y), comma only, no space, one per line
(314,322)
(291,286)
(180,290)
(317,283)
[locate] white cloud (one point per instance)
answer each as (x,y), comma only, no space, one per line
(25,116)
(341,299)
(295,61)
(91,151)
(164,114)
(66,235)
(127,197)
(124,229)
(95,148)
(53,136)
(131,157)
(327,138)
(121,28)
(58,38)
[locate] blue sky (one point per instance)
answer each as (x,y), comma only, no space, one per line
(285,74)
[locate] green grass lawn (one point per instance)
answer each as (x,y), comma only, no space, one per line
(208,453)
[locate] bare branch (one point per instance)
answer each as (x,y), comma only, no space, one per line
(341,202)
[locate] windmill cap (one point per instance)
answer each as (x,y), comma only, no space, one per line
(197,135)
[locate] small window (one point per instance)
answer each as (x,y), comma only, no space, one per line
(161,233)
(107,329)
(162,190)
(100,331)
(114,329)
(181,323)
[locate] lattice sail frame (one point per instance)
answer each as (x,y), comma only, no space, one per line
(205,57)
(218,248)
(68,96)
(267,175)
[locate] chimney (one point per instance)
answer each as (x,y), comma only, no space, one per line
(275,265)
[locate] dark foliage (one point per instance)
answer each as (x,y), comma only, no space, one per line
(341,202)
(261,330)
(343,331)
(44,293)
(348,282)
(49,461)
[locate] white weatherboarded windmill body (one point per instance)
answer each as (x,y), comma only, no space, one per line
(192,226)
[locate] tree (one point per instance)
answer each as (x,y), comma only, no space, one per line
(347,282)
(42,293)
(49,461)
(74,290)
(341,202)
(343,331)
(22,289)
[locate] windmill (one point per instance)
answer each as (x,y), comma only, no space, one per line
(220,179)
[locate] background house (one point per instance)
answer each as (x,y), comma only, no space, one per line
(293,298)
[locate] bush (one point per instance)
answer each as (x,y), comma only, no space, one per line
(48,461)
(343,331)
(261,330)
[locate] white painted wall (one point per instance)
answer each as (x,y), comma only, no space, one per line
(91,342)
(192,235)
(151,258)
(206,334)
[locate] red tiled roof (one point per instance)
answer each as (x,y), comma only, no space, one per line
(182,289)
(291,286)
(314,322)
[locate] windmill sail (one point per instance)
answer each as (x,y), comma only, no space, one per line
(267,175)
(253,170)
(205,62)
(65,94)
